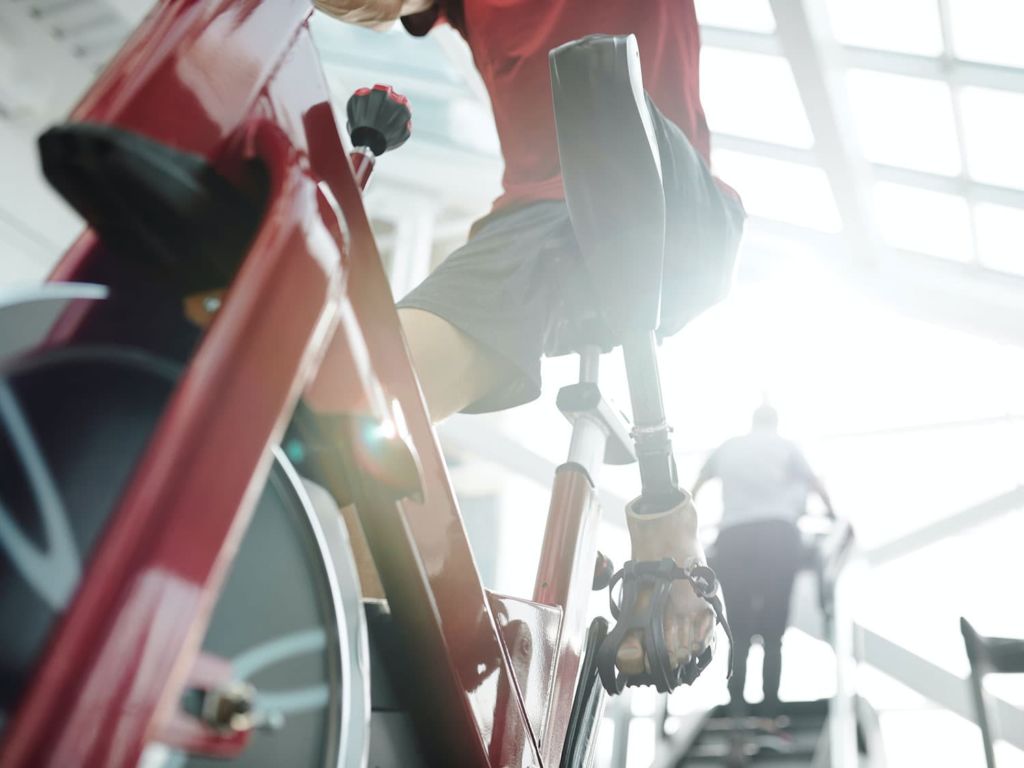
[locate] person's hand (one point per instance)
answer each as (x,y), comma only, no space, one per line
(689,620)
(376,14)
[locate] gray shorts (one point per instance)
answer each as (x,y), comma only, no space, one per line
(520,277)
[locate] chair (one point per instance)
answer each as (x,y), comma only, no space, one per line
(989,655)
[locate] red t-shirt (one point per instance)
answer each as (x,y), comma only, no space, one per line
(510,41)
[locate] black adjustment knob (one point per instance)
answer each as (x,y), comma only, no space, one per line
(604,569)
(378,118)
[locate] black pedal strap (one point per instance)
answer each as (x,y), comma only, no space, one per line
(657,576)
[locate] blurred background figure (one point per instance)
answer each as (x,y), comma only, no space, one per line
(765,483)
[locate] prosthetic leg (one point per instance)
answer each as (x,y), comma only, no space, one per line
(612,172)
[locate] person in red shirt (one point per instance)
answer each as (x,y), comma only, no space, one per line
(478,326)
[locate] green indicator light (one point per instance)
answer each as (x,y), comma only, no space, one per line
(295,451)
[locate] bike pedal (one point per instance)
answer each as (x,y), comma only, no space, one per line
(656,577)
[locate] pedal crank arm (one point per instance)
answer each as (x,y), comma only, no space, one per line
(587,703)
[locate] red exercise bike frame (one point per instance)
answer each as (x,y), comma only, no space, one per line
(309,314)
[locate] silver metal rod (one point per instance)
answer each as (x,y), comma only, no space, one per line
(641,356)
(590,359)
(588,444)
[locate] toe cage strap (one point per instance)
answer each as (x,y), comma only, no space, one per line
(657,577)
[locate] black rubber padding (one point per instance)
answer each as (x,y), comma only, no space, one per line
(586,704)
(378,118)
(154,205)
(610,166)
(73,423)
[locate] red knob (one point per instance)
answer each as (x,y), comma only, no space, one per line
(604,569)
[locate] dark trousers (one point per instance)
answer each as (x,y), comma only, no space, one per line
(756,563)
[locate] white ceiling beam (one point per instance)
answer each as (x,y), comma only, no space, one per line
(952,525)
(740,40)
(956,71)
(974,191)
(937,684)
(805,36)
(964,297)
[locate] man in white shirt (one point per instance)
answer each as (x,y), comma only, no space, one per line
(765,483)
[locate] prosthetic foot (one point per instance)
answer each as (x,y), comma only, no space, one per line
(672,635)
(611,170)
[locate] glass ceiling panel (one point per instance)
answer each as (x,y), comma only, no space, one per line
(907,26)
(1000,233)
(753,95)
(989,31)
(774,189)
(750,15)
(994,135)
(904,121)
(927,222)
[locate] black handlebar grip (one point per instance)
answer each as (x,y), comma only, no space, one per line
(379,118)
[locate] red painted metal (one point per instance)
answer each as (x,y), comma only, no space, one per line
(309,310)
(189,734)
(362,165)
(564,579)
(421,548)
(530,633)
(140,612)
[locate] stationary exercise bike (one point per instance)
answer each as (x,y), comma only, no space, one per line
(216,366)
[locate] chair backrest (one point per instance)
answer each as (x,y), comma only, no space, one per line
(612,173)
(989,655)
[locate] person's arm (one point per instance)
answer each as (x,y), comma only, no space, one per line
(376,14)
(819,488)
(707,472)
(813,481)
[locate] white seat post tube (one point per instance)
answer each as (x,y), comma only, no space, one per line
(589,436)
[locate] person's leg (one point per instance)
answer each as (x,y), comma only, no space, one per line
(772,670)
(741,650)
(703,226)
(781,542)
(475,326)
(453,369)
(731,563)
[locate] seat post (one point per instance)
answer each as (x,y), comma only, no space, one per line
(589,434)
(652,435)
(590,360)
